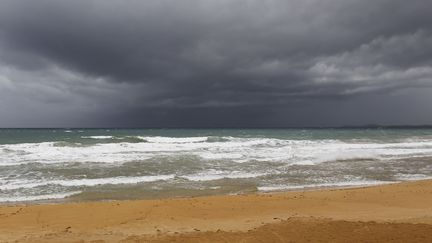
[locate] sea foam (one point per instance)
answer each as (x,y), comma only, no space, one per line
(240,150)
(37,197)
(84,182)
(51,169)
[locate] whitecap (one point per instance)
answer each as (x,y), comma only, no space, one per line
(21,184)
(157,139)
(334,184)
(37,197)
(98,137)
(217,175)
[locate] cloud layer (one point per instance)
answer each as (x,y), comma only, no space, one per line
(214,63)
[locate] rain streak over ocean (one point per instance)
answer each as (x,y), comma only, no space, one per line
(107,164)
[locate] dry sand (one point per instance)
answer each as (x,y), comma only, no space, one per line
(388,213)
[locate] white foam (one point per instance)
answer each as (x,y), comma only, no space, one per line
(242,150)
(337,184)
(217,175)
(37,197)
(412,177)
(21,184)
(98,137)
(157,139)
(209,152)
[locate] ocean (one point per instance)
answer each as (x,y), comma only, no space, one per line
(110,164)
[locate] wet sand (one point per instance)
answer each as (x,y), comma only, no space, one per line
(389,213)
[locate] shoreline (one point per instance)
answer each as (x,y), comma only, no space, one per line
(401,205)
(67,200)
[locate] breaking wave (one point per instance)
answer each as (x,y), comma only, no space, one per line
(82,161)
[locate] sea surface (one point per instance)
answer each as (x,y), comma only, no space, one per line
(108,164)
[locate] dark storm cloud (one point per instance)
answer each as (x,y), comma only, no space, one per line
(249,62)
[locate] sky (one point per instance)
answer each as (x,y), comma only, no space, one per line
(215,63)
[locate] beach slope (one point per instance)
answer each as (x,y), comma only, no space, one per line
(388,213)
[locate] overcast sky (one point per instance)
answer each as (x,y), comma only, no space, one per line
(262,63)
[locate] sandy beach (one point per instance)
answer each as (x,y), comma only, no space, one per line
(388,213)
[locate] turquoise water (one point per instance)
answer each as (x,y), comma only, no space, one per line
(105,164)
